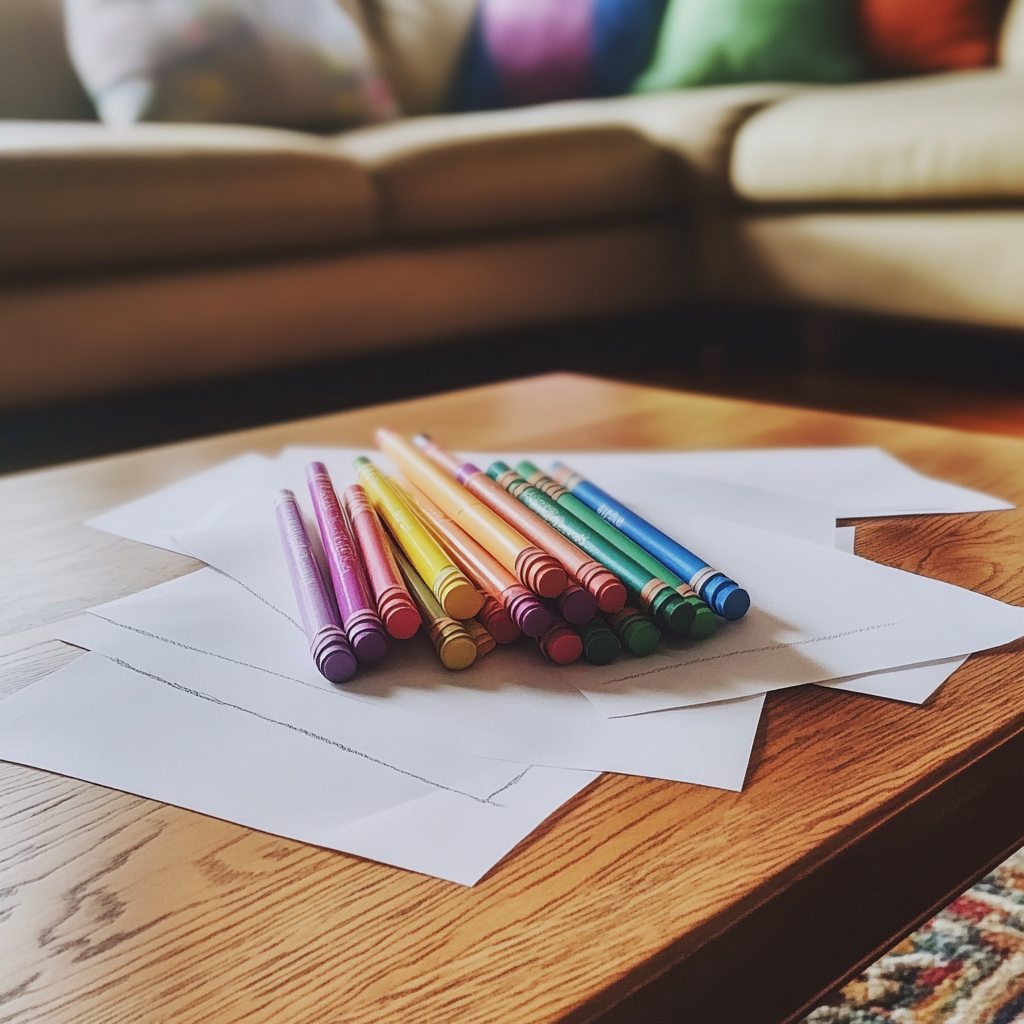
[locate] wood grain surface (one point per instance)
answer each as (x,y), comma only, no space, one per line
(639,900)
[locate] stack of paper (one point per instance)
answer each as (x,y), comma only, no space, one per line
(201,692)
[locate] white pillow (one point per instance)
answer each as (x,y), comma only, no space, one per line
(1011,37)
(291,63)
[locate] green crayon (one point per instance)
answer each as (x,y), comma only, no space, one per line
(651,593)
(703,624)
(600,646)
(638,633)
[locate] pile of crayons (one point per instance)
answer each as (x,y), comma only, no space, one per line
(480,558)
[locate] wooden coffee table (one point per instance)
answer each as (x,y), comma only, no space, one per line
(640,900)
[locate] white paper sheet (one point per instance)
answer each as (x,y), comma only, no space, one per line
(108,724)
(511,704)
(844,538)
(194,501)
(857,482)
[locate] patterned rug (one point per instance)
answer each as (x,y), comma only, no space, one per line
(965,966)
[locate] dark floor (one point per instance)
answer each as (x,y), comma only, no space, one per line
(973,378)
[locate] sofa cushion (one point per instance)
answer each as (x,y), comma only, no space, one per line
(82,195)
(556,163)
(947,137)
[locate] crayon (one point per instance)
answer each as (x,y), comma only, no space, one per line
(494,617)
(560,644)
(576,604)
(356,605)
(394,605)
(457,596)
(654,596)
(526,610)
(591,575)
(454,646)
(724,595)
(703,624)
(640,635)
(600,645)
(327,643)
(534,568)
(485,643)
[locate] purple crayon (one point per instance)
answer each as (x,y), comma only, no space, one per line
(358,609)
(331,652)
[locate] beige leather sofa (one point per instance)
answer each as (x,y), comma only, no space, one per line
(172,252)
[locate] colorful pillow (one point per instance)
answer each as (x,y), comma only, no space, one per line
(533,51)
(718,42)
(292,63)
(914,36)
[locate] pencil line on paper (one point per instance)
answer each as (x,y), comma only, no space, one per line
(210,654)
(259,597)
(299,729)
(749,650)
(511,782)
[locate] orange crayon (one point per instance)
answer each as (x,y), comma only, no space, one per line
(533,566)
(522,608)
(605,586)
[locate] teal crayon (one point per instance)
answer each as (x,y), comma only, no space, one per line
(703,624)
(654,595)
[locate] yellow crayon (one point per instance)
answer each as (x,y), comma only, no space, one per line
(454,645)
(485,643)
(532,566)
(457,596)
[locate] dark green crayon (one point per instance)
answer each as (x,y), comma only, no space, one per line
(600,646)
(652,593)
(703,624)
(637,632)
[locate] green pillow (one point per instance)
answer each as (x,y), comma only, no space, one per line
(718,42)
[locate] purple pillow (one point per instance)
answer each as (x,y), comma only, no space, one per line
(532,51)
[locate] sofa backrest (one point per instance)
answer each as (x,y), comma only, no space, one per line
(37,80)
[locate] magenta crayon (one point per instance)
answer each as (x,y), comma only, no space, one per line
(356,604)
(589,573)
(576,604)
(327,643)
(394,604)
(561,644)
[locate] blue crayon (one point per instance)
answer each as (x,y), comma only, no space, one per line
(725,597)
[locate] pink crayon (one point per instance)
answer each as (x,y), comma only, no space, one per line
(356,605)
(394,604)
(331,653)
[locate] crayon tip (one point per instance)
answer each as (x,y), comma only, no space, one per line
(726,598)
(577,605)
(458,597)
(677,613)
(369,644)
(421,440)
(703,624)
(561,644)
(334,657)
(361,461)
(599,644)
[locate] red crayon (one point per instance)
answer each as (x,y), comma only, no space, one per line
(606,587)
(358,609)
(561,644)
(394,604)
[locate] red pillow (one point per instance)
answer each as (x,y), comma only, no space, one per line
(908,36)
